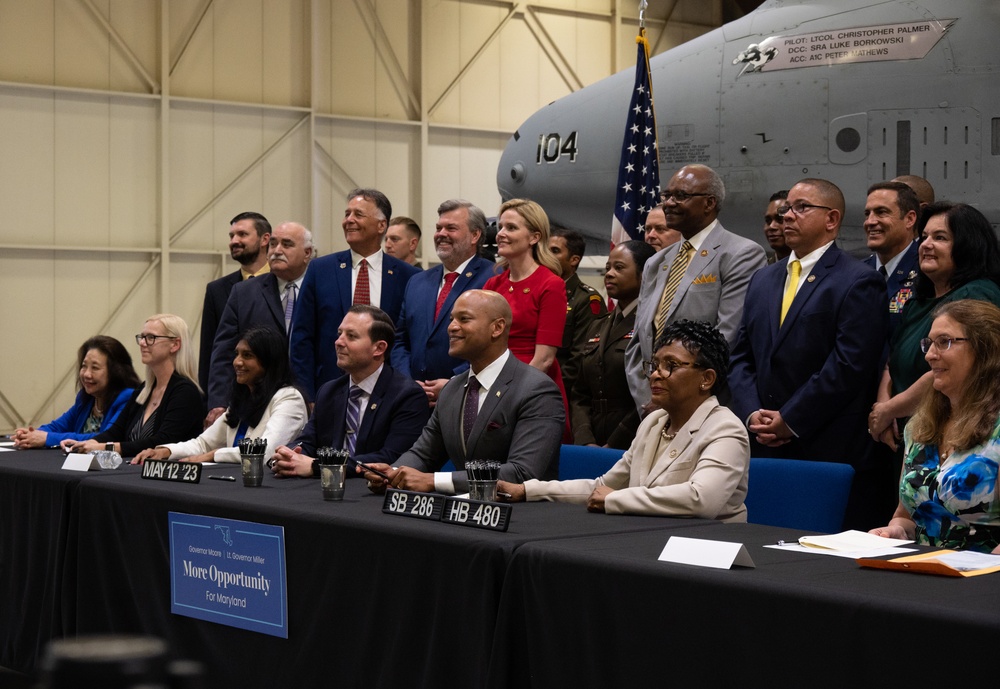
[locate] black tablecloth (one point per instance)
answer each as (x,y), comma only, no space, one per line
(563,598)
(373,599)
(604,612)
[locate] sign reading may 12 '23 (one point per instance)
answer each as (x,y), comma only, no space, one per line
(230,572)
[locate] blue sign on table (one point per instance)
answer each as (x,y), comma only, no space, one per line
(230,572)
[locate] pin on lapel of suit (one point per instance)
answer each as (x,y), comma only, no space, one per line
(373,407)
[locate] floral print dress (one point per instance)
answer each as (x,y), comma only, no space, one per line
(954,506)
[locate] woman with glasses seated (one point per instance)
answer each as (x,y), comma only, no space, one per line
(105,381)
(166,408)
(959,258)
(689,458)
(264,404)
(948,493)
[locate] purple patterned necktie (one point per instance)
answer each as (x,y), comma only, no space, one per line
(353,417)
(471,410)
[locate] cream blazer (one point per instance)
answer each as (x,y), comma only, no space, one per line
(702,472)
(281,423)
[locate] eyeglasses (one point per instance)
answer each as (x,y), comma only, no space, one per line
(943,343)
(799,207)
(150,340)
(678,196)
(666,368)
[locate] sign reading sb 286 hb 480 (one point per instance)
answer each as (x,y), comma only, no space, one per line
(228,571)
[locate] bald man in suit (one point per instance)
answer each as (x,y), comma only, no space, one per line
(519,417)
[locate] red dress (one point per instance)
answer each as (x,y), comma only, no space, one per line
(538,306)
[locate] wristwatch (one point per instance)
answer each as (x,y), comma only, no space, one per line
(109,447)
(315,468)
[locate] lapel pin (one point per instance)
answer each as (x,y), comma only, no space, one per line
(469,274)
(673,453)
(389,271)
(343,265)
(527,289)
(811,278)
(373,407)
(498,393)
(704,252)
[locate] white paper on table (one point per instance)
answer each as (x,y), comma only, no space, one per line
(696,551)
(80,462)
(852,554)
(852,541)
(969,560)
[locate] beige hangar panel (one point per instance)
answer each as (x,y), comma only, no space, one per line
(132,130)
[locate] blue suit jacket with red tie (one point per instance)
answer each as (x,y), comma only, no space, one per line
(821,367)
(421,350)
(323,300)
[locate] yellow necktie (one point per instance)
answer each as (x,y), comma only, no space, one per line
(793,285)
(677,269)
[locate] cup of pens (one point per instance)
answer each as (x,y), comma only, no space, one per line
(332,471)
(483,474)
(252,461)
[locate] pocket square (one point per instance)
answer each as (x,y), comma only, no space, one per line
(493,426)
(705,279)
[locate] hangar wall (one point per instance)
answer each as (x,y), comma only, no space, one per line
(132,130)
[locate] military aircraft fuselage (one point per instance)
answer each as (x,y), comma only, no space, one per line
(852,91)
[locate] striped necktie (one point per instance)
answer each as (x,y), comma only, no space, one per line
(677,269)
(353,417)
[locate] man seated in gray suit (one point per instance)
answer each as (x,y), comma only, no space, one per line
(702,278)
(501,409)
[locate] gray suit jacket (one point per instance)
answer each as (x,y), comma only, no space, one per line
(703,472)
(713,289)
(520,424)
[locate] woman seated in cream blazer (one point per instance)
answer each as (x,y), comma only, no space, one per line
(264,404)
(689,458)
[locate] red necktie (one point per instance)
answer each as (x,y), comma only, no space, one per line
(362,294)
(449,280)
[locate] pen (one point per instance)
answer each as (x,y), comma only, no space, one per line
(222,478)
(788,543)
(505,496)
(365,467)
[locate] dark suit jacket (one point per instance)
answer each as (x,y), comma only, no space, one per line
(821,368)
(901,284)
(395,416)
(421,349)
(520,424)
(323,300)
(178,418)
(252,303)
(216,294)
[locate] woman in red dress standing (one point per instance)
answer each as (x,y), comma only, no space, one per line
(530,282)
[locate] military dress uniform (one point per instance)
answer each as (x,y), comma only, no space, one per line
(583,305)
(602,407)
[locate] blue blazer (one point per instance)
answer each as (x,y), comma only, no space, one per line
(71,423)
(901,285)
(421,350)
(396,414)
(323,300)
(820,369)
(216,294)
(252,303)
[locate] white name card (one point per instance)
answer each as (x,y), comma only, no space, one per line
(81,462)
(695,551)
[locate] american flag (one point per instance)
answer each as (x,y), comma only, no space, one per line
(638,172)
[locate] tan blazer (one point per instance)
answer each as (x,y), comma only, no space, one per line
(702,472)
